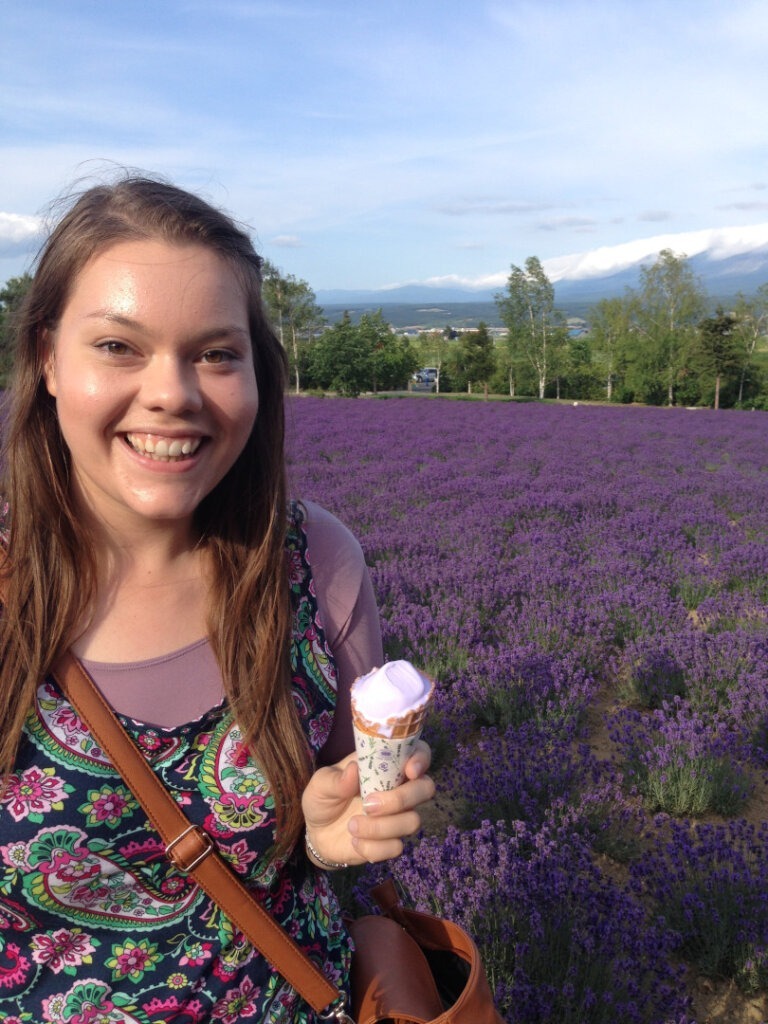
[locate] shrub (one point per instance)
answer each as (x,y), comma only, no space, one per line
(682,763)
(652,676)
(710,886)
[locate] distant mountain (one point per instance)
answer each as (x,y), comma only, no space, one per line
(722,276)
(744,272)
(727,260)
(420,316)
(407,294)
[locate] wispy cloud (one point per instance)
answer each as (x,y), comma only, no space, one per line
(568,223)
(491,207)
(747,204)
(286,242)
(757,186)
(400,140)
(654,216)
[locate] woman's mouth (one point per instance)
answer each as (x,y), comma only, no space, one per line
(164,449)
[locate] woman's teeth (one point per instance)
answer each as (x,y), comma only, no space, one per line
(163,448)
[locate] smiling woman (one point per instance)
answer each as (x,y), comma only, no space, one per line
(149,532)
(152,370)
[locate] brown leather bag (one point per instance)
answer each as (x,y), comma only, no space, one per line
(415,968)
(408,967)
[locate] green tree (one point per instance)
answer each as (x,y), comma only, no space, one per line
(293,309)
(275,298)
(534,327)
(717,350)
(351,358)
(560,365)
(581,377)
(476,356)
(340,361)
(610,333)
(512,369)
(392,357)
(667,307)
(751,325)
(11,294)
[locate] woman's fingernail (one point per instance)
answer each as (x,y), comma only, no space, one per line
(353,826)
(371,803)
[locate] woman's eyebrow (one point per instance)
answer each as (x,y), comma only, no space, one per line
(120,319)
(209,334)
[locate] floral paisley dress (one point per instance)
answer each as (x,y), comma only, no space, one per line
(96,927)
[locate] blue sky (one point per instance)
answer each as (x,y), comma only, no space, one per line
(369,144)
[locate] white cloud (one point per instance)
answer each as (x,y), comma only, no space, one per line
(19,234)
(492,281)
(720,243)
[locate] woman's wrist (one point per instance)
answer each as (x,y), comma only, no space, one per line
(318,859)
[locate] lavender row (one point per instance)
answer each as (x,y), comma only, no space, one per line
(589,587)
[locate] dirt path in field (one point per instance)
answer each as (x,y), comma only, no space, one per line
(714,1002)
(724,1003)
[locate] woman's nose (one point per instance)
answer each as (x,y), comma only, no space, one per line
(171,384)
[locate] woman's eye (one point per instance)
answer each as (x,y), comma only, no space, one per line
(114,348)
(216,355)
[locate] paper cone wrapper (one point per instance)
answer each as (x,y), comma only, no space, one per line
(381,759)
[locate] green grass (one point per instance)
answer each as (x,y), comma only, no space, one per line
(696,786)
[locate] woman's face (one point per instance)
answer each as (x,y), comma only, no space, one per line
(152,371)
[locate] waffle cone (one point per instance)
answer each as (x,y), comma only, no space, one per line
(401,727)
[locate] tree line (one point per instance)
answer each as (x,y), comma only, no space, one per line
(664,342)
(344,357)
(660,343)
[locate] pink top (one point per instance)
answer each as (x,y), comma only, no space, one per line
(158,692)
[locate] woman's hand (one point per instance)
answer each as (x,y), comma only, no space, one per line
(344,831)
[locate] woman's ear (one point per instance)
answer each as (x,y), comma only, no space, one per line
(49,362)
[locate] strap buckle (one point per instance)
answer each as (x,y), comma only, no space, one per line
(337,1012)
(207,847)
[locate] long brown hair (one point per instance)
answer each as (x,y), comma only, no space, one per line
(49,568)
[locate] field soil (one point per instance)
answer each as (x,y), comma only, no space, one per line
(724,1003)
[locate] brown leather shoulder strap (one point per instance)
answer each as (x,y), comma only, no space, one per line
(189,848)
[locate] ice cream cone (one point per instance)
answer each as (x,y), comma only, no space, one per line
(384,746)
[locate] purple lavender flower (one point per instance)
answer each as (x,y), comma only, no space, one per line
(590,592)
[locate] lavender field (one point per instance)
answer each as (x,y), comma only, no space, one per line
(590,588)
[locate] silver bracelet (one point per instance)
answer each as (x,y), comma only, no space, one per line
(331,865)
